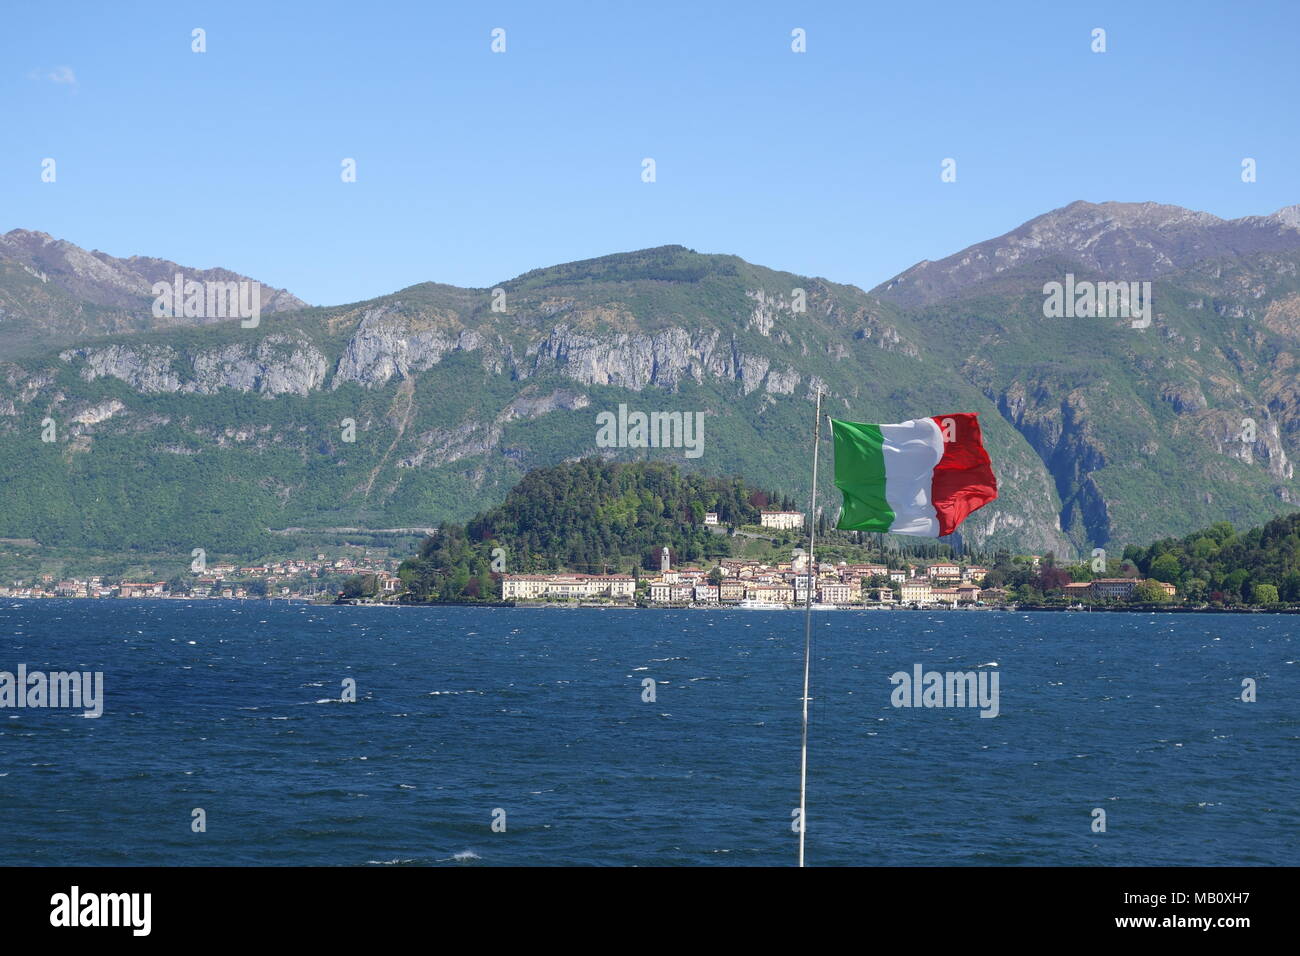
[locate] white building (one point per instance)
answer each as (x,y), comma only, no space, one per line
(706,593)
(676,592)
(945,571)
(782,520)
(515,587)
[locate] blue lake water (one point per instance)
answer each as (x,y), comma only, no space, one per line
(234,708)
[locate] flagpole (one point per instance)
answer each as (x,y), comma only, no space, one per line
(807,629)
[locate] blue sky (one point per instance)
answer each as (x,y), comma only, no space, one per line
(473,167)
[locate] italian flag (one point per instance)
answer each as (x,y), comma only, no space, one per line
(921,477)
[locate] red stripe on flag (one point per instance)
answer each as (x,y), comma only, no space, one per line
(963,479)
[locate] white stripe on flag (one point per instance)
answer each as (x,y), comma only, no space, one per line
(911,450)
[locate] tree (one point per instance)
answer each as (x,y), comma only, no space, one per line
(1265,594)
(1233,583)
(1166,568)
(1052,578)
(360,585)
(1149,592)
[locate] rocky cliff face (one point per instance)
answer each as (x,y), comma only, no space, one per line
(386,348)
(394,341)
(663,359)
(275,365)
(389,343)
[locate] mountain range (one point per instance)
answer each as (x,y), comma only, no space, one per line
(53,292)
(429,403)
(1119,239)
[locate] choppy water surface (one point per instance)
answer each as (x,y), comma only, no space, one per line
(235,708)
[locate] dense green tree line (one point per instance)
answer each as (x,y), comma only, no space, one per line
(1259,566)
(1217,565)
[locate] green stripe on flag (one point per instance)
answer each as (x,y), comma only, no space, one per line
(860,474)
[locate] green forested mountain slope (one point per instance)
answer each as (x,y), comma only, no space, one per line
(1100,433)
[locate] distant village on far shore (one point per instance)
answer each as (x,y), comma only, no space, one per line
(754,584)
(739,582)
(311,580)
(751,583)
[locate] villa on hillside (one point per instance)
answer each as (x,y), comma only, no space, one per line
(782,520)
(945,572)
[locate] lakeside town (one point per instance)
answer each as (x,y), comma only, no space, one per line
(755,584)
(748,583)
(294,579)
(840,580)
(732,581)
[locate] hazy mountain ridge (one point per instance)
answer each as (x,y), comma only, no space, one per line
(53,291)
(1116,241)
(1099,432)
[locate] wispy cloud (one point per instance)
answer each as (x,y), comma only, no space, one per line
(59,76)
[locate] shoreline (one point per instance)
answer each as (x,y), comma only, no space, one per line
(537,605)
